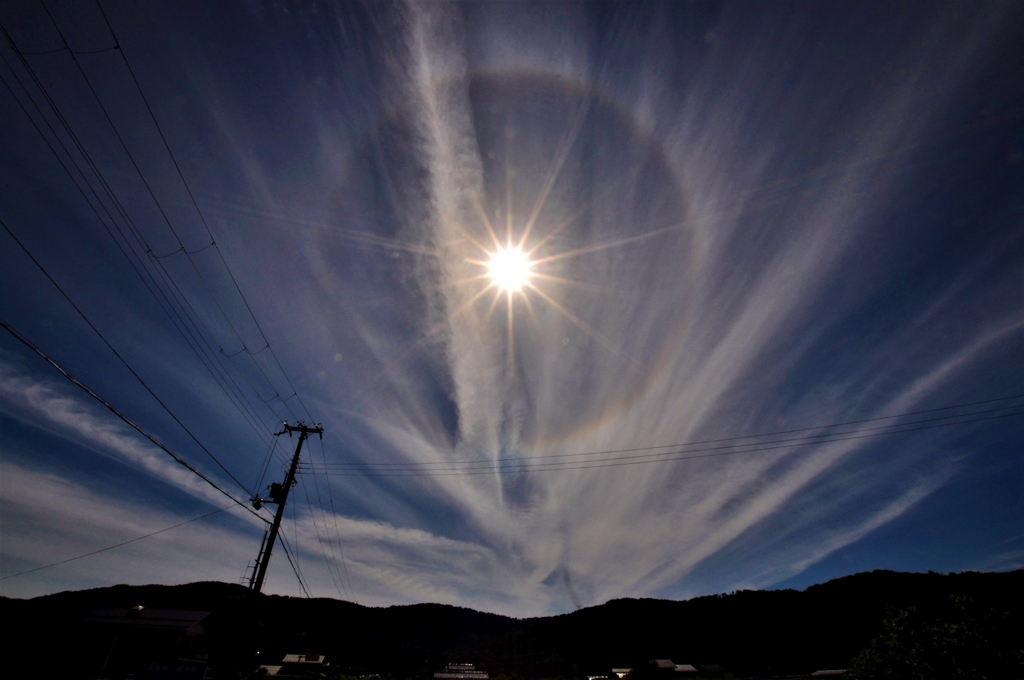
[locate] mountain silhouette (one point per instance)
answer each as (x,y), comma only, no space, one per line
(747,633)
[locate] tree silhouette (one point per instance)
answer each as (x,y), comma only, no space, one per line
(952,640)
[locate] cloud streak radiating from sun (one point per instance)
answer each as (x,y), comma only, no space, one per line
(695,319)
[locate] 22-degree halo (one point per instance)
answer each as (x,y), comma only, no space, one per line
(510,269)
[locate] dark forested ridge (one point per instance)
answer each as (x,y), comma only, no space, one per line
(750,633)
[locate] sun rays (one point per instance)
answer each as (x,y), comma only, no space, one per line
(515,247)
(513,271)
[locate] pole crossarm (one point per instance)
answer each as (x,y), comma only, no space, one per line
(302,428)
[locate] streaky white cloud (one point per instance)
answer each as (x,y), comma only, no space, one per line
(41,403)
(48,518)
(708,316)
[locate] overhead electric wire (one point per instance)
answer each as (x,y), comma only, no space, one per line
(135,165)
(113,409)
(211,365)
(166,305)
(117,545)
(729,439)
(295,527)
(137,234)
(266,464)
(337,533)
(331,562)
(501,466)
(295,566)
(336,538)
(159,206)
(736,438)
(334,572)
(120,358)
(485,467)
(199,212)
(66,49)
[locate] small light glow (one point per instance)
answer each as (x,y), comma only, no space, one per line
(510,269)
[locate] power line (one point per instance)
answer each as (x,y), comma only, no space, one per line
(320,540)
(152,195)
(295,528)
(135,231)
(726,439)
(199,212)
(295,568)
(153,287)
(334,521)
(118,355)
(117,545)
(266,464)
(113,409)
(711,452)
(174,232)
(67,49)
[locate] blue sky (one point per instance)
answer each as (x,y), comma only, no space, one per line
(743,219)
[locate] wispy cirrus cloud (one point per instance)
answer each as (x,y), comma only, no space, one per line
(743,221)
(49,518)
(42,404)
(721,325)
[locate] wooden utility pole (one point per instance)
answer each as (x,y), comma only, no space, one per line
(279,496)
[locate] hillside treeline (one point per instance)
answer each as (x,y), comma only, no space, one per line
(748,633)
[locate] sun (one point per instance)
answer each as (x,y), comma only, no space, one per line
(510,269)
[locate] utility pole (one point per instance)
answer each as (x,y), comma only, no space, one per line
(279,496)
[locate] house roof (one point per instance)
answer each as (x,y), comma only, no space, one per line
(461,671)
(304,658)
(184,621)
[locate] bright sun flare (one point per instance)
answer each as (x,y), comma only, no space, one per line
(510,269)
